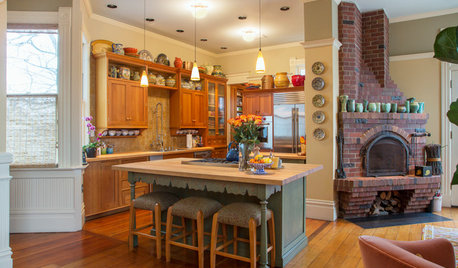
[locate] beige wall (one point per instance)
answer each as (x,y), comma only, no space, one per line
(318,23)
(3,76)
(417,36)
(40,5)
(421,79)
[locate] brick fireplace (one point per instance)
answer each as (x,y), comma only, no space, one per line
(379,150)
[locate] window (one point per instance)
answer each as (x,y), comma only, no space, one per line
(32,94)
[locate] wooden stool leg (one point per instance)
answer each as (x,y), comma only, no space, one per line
(194,231)
(200,238)
(183,224)
(168,234)
(224,235)
(131,226)
(157,225)
(235,240)
(214,238)
(252,236)
(271,225)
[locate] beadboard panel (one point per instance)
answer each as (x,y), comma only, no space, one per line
(45,200)
(5,250)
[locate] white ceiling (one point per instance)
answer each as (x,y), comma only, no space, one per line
(222,27)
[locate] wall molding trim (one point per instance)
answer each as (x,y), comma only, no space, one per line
(255,50)
(322,43)
(424,15)
(417,56)
(321,209)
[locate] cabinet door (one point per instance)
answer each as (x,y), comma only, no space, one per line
(186,108)
(199,111)
(116,104)
(250,104)
(137,106)
(221,103)
(124,186)
(265,104)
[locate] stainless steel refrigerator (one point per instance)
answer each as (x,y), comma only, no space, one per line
(288,121)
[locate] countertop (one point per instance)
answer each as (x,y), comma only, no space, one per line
(289,156)
(174,167)
(116,156)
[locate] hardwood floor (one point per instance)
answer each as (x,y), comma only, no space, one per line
(103,243)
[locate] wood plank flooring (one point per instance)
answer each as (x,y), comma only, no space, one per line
(103,243)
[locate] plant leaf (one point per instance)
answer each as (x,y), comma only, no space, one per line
(446,45)
(452,114)
(455,177)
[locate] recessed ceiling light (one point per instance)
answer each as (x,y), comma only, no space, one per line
(242,17)
(223,47)
(112,6)
(180,31)
(149,19)
(199,9)
(203,39)
(284,8)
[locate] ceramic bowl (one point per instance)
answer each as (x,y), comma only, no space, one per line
(137,132)
(118,132)
(130,50)
(125,132)
(112,132)
(131,132)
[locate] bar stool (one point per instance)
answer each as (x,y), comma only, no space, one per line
(155,202)
(197,209)
(245,215)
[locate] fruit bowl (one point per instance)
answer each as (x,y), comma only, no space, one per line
(259,167)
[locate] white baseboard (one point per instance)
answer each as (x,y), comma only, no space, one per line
(321,209)
(45,222)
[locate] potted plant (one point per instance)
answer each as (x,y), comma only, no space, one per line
(245,131)
(91,148)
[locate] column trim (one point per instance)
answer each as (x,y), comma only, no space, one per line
(322,43)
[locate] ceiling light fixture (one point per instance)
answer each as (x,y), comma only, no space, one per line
(112,6)
(204,39)
(249,34)
(149,19)
(260,65)
(144,78)
(242,17)
(180,31)
(284,8)
(200,10)
(223,47)
(195,71)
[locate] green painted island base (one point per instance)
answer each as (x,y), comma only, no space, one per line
(287,203)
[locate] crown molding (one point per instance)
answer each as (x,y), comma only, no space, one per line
(417,56)
(308,1)
(255,50)
(322,43)
(424,15)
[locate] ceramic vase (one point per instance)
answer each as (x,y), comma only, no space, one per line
(378,107)
(217,70)
(91,152)
(414,106)
(267,81)
(281,80)
(372,107)
(117,48)
(343,103)
(394,107)
(407,105)
(351,105)
(297,80)
(386,107)
(244,154)
(178,63)
(170,82)
(421,109)
(359,107)
(365,104)
(402,109)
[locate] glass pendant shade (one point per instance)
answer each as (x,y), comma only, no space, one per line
(195,73)
(260,65)
(144,80)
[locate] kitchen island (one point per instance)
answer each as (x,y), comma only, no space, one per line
(282,190)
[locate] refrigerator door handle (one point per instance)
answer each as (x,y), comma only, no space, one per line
(293,132)
(297,131)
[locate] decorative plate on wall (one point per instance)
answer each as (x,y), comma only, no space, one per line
(318,101)
(318,83)
(145,55)
(318,68)
(318,117)
(319,134)
(162,59)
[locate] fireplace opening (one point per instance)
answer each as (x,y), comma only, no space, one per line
(386,155)
(390,202)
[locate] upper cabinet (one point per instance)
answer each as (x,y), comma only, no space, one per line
(258,103)
(216,112)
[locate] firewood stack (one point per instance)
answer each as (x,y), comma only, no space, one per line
(386,203)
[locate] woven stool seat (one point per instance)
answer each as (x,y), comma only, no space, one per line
(240,213)
(188,207)
(149,200)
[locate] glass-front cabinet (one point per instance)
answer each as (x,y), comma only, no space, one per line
(216,112)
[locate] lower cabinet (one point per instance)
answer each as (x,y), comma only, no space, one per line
(106,190)
(219,152)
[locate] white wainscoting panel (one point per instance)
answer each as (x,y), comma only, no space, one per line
(46,200)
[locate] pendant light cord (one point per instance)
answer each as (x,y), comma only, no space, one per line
(259,24)
(144,25)
(195,34)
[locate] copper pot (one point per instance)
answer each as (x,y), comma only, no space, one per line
(267,82)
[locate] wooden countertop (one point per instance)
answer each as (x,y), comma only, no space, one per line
(290,156)
(116,156)
(174,167)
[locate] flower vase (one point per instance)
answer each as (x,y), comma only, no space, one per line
(91,152)
(343,103)
(365,106)
(351,105)
(244,155)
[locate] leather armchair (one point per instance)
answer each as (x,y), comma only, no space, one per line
(379,252)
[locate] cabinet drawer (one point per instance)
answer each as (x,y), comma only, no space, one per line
(125,195)
(125,185)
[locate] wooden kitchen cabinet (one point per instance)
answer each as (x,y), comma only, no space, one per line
(124,185)
(216,132)
(258,103)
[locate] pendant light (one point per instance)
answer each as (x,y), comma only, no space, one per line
(144,78)
(195,71)
(260,65)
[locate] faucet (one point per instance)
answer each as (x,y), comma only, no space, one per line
(159,137)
